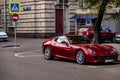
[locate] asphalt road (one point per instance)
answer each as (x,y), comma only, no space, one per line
(26,62)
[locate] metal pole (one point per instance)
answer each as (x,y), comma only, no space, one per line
(63,17)
(5,15)
(76,27)
(35,34)
(15,25)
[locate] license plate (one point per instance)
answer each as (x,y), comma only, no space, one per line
(111,60)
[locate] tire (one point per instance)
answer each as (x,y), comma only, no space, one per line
(80,57)
(47,53)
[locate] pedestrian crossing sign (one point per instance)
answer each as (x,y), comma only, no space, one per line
(14,8)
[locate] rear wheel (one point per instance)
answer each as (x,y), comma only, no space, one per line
(47,53)
(80,57)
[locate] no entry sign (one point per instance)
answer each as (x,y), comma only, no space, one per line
(15,17)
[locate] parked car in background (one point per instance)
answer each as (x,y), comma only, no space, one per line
(117,38)
(3,35)
(78,48)
(106,34)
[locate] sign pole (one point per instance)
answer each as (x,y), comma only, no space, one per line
(5,15)
(15,18)
(15,33)
(14,9)
(63,17)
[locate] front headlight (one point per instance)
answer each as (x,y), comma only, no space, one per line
(91,51)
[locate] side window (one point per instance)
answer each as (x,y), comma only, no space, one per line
(104,29)
(60,39)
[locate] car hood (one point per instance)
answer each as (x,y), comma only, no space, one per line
(3,33)
(100,50)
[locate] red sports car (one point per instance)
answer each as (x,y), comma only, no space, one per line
(78,48)
(106,34)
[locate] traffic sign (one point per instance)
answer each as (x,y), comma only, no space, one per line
(14,8)
(15,17)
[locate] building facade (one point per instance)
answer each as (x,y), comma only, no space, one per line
(41,18)
(110,22)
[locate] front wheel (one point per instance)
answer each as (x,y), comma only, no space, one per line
(47,53)
(80,57)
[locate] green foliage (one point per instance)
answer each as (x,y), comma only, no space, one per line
(93,2)
(97,3)
(115,15)
(101,6)
(117,2)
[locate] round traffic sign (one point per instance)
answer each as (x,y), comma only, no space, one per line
(15,17)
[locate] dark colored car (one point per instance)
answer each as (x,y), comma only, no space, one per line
(78,48)
(106,34)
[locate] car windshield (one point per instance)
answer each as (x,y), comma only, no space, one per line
(78,40)
(83,29)
(105,29)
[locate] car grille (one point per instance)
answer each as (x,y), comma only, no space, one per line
(104,57)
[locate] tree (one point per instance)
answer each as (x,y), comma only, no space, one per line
(101,6)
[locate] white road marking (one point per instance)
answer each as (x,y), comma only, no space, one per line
(92,66)
(28,55)
(18,55)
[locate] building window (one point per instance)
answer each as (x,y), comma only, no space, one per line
(88,21)
(11,29)
(81,22)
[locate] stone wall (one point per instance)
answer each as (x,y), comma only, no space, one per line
(40,20)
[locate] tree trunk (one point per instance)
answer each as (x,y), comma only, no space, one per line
(97,25)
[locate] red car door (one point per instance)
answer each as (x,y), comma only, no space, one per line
(62,49)
(106,34)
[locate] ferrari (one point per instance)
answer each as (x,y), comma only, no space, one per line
(78,48)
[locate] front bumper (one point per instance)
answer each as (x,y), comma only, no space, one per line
(104,59)
(117,38)
(3,38)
